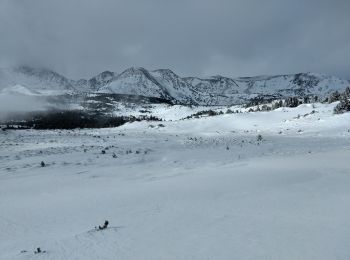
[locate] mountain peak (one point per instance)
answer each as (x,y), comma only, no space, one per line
(164,71)
(106,73)
(134,70)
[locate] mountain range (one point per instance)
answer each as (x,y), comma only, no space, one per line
(165,84)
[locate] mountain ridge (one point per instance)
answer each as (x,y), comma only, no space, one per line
(166,84)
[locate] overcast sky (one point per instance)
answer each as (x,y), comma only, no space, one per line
(80,38)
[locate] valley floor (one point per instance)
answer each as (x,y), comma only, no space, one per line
(188,189)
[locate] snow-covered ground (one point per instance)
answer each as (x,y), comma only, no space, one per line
(188,189)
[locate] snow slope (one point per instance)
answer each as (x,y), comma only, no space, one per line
(194,189)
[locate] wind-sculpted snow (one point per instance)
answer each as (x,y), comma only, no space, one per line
(200,188)
(166,84)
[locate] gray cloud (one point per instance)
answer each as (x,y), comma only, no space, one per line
(80,38)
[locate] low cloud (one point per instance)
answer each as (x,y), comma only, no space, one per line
(11,104)
(193,37)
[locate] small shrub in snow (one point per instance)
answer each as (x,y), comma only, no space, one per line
(105,225)
(39,251)
(259,138)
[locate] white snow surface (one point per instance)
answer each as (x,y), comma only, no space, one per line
(194,189)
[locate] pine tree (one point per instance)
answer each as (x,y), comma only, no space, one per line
(343,106)
(335,96)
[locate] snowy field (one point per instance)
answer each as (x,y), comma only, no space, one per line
(203,188)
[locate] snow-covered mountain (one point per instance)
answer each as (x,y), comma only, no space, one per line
(164,83)
(220,90)
(216,90)
(177,87)
(301,84)
(40,81)
(94,84)
(136,81)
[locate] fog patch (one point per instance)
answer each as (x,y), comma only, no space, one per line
(13,105)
